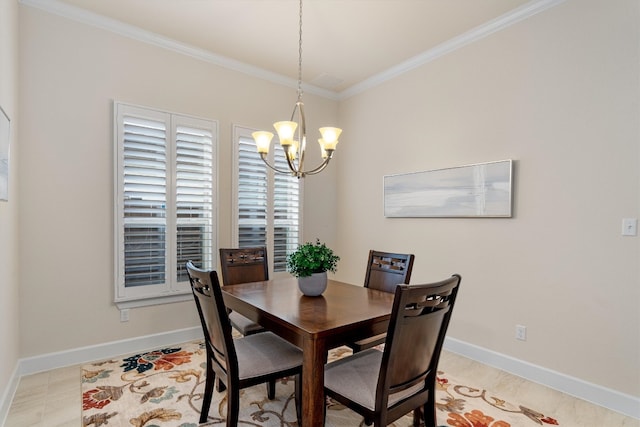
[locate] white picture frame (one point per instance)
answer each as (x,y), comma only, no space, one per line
(470,191)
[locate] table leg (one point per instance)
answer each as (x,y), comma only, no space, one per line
(313,403)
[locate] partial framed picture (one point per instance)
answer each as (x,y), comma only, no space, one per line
(478,190)
(4,155)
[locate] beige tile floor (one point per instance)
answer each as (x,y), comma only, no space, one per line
(569,411)
(53,398)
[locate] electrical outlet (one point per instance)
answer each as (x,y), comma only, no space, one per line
(124,315)
(629,226)
(521,332)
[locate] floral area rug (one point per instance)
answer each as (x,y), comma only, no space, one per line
(163,388)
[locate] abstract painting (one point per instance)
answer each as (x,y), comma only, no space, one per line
(478,190)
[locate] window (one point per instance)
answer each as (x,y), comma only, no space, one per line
(267,205)
(165,194)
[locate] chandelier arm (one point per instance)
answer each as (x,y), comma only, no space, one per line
(319,169)
(293,170)
(288,172)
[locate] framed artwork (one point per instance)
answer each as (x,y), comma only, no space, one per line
(478,190)
(4,155)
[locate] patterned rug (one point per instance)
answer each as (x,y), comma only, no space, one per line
(163,388)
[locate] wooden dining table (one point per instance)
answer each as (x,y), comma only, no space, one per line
(342,313)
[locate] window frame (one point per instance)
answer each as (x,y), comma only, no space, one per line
(171,290)
(245,132)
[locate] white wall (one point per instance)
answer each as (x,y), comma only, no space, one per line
(9,209)
(558,93)
(70,73)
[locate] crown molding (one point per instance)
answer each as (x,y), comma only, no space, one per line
(523,12)
(80,15)
(77,14)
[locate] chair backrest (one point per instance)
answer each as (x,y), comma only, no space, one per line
(244,265)
(214,319)
(416,332)
(387,270)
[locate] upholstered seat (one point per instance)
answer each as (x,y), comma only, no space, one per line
(265,354)
(357,376)
(243,324)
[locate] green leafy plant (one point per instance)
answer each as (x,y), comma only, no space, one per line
(312,258)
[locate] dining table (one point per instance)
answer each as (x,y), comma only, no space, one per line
(343,313)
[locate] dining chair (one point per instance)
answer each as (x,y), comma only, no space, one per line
(244,265)
(385,271)
(241,362)
(383,386)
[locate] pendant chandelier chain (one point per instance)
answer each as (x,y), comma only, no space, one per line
(300,54)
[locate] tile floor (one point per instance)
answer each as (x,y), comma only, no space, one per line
(53,398)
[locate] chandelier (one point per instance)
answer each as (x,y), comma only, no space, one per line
(293,134)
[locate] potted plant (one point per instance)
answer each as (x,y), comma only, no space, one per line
(310,263)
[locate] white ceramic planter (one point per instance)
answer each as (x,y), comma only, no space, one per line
(313,285)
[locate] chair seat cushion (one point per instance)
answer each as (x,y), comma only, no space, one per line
(368,342)
(243,324)
(356,378)
(265,353)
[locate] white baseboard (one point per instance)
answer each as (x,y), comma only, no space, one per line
(7,396)
(598,395)
(601,396)
(45,362)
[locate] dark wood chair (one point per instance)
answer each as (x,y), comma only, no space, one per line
(385,271)
(242,362)
(244,265)
(385,385)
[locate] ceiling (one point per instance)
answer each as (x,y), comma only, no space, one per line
(344,42)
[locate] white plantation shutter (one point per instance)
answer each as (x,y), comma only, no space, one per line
(145,198)
(252,196)
(286,207)
(194,198)
(267,205)
(165,200)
